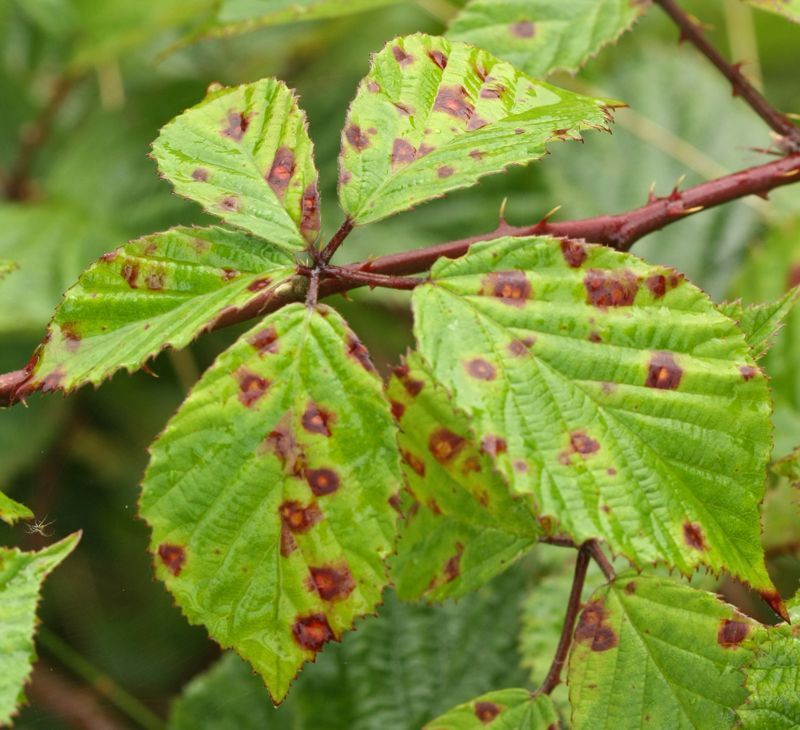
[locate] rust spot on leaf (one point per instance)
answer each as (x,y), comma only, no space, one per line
(412,386)
(517,348)
(476,122)
(425,149)
(445,445)
(476,155)
(480,369)
(252,387)
(235,126)
(398,409)
(610,289)
(259,284)
(317,420)
(630,588)
(454,100)
(445,171)
(693,536)
(591,629)
(663,372)
(200,174)
(401,56)
(309,210)
(402,152)
(583,444)
(417,464)
(512,287)
(265,341)
(229,203)
(297,518)
(312,632)
(748,372)
(72,338)
(322,481)
(155,281)
(283,166)
(520,466)
(373,87)
(493,445)
(574,252)
(357,139)
(732,633)
(345,176)
(332,584)
(486,711)
(130,272)
(452,568)
(108,257)
(173,557)
(492,92)
(522,29)
(438,58)
(657,284)
(359,353)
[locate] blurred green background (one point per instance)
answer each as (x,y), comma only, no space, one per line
(111,638)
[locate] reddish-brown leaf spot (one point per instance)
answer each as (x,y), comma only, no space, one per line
(52,381)
(438,58)
(396,502)
(517,348)
(265,341)
(235,126)
(425,149)
(493,445)
(402,152)
(476,155)
(229,203)
(401,56)
(108,257)
(595,337)
(322,481)
(288,543)
(574,252)
(345,176)
(357,139)
(663,372)
(610,289)
(775,602)
(312,632)
(412,386)
(173,557)
(512,287)
(398,409)
(283,166)
(259,284)
(452,568)
(657,284)
(693,536)
(200,174)
(317,420)
(480,369)
(417,464)
(748,372)
(592,631)
(445,445)
(130,272)
(155,281)
(403,109)
(228,274)
(476,122)
(492,92)
(297,518)
(252,387)
(583,444)
(454,100)
(630,588)
(445,171)
(359,353)
(332,584)
(373,86)
(309,211)
(486,711)
(522,29)
(732,633)
(520,466)
(72,338)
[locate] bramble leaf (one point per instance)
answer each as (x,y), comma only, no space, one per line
(268,494)
(434,115)
(631,407)
(504,709)
(11,511)
(761,322)
(244,154)
(21,578)
(649,650)
(788,8)
(158,291)
(463,527)
(541,36)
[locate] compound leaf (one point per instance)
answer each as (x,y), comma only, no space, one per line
(505,709)
(244,154)
(651,651)
(11,511)
(761,322)
(434,115)
(788,8)
(21,578)
(630,406)
(463,527)
(541,36)
(268,494)
(160,290)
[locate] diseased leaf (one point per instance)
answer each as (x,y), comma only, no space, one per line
(158,291)
(649,651)
(268,492)
(542,36)
(631,408)
(761,322)
(788,8)
(21,578)
(463,527)
(434,115)
(244,154)
(505,709)
(773,677)
(11,511)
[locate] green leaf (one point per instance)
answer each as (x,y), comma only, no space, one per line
(158,291)
(505,709)
(542,36)
(788,8)
(649,651)
(6,267)
(631,408)
(11,511)
(789,466)
(464,527)
(773,677)
(268,492)
(244,154)
(434,115)
(21,578)
(761,322)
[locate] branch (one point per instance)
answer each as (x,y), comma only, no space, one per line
(691,31)
(553,678)
(337,240)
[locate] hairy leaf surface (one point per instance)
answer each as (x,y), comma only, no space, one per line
(244,154)
(158,291)
(789,8)
(434,115)
(649,651)
(631,408)
(11,511)
(505,709)
(21,578)
(541,36)
(463,526)
(268,492)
